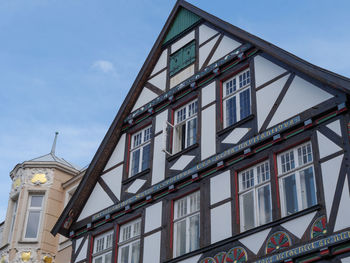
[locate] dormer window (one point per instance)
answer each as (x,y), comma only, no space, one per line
(236,98)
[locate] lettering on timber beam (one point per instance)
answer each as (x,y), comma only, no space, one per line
(307,248)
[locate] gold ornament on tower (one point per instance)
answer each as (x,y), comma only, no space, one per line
(25,256)
(39,178)
(47,259)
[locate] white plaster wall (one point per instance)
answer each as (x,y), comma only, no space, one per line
(159,80)
(182,162)
(161,119)
(182,42)
(83,252)
(191,259)
(299,225)
(226,46)
(266,98)
(254,242)
(205,33)
(335,126)
(151,249)
(77,243)
(145,97)
(161,63)
(208,136)
(205,50)
(220,187)
(181,76)
(153,218)
(114,180)
(221,222)
(343,216)
(97,201)
(265,70)
(236,135)
(208,94)
(326,146)
(118,153)
(330,174)
(301,95)
(158,160)
(135,186)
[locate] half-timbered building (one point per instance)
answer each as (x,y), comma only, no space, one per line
(226,149)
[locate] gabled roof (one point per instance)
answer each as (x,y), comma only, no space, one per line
(167,35)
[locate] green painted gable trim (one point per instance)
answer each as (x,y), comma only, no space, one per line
(184,19)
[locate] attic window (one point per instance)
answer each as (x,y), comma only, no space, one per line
(182,58)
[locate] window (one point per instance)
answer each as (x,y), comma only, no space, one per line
(182,58)
(296,179)
(236,99)
(129,242)
(13,218)
(103,248)
(185,126)
(255,196)
(33,219)
(140,151)
(186,224)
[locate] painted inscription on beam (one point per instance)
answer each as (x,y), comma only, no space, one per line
(201,166)
(307,248)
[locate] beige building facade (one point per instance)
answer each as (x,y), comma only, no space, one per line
(40,189)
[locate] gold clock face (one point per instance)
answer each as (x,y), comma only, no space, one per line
(39,178)
(25,256)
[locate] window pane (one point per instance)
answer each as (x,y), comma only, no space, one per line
(32,224)
(287,161)
(180,228)
(194,232)
(231,116)
(146,157)
(135,252)
(98,260)
(137,228)
(109,241)
(247,202)
(244,98)
(230,86)
(191,132)
(99,244)
(126,232)
(194,202)
(108,258)
(36,200)
(264,202)
(125,254)
(147,134)
(135,162)
(307,184)
(247,179)
(305,154)
(181,207)
(290,195)
(137,139)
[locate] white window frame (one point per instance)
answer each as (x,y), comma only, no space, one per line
(189,116)
(254,185)
(35,209)
(103,246)
(14,206)
(298,167)
(241,86)
(129,234)
(143,141)
(188,214)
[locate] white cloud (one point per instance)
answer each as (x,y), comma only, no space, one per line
(104,66)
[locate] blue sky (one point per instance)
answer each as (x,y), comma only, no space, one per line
(66,65)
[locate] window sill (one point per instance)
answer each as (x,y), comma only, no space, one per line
(138,175)
(176,155)
(28,242)
(235,125)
